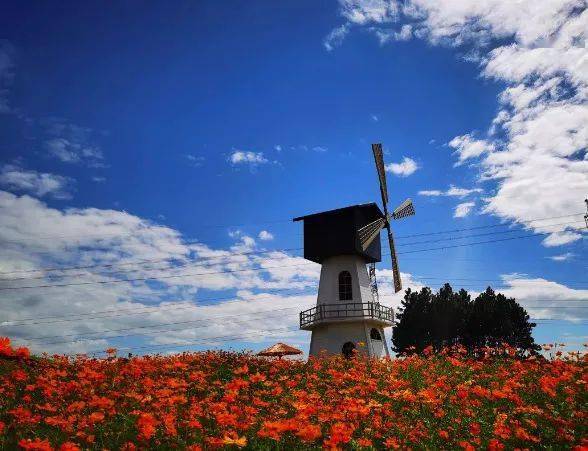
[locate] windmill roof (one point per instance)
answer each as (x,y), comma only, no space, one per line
(280,349)
(369,205)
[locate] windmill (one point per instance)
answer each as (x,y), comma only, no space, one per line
(369,232)
(343,241)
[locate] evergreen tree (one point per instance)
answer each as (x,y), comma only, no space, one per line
(495,319)
(412,328)
(448,318)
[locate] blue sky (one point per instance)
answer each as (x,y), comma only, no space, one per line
(164,125)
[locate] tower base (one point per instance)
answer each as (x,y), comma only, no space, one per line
(344,337)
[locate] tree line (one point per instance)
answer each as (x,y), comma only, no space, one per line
(449,318)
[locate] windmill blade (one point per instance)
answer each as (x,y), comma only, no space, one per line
(405,209)
(379,159)
(369,232)
(394,258)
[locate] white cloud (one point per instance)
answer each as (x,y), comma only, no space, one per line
(431,192)
(99,179)
(319,149)
(452,191)
(562,257)
(40,184)
(462,210)
(544,298)
(535,149)
(335,37)
(264,235)
(362,12)
(278,148)
(71,143)
(34,236)
(375,118)
(407,167)
(466,147)
(385,36)
(561,238)
(405,33)
(195,160)
(245,157)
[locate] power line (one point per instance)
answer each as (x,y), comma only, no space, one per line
(237,255)
(155,326)
(268,294)
(196,327)
(203,340)
(486,242)
(182,305)
(141,262)
(141,279)
(278,250)
(490,226)
(483,234)
(482,280)
(262,269)
(284,221)
(234,338)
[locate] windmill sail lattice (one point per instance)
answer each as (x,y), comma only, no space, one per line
(369,232)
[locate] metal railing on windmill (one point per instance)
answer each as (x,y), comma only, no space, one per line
(348,316)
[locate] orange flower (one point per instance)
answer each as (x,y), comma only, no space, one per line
(495,445)
(309,432)
(475,429)
(340,433)
(69,446)
(467,446)
(226,399)
(240,442)
(35,445)
(365,442)
(96,417)
(22,352)
(146,425)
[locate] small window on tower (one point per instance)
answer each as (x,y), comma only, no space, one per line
(375,334)
(345,291)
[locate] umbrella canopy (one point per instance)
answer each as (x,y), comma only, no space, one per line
(279,350)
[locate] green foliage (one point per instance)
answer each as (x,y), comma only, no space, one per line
(448,318)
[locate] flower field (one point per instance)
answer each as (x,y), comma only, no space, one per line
(233,400)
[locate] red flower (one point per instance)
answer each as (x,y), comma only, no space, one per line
(35,445)
(146,425)
(69,446)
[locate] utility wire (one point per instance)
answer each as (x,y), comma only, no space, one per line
(139,262)
(194,327)
(483,234)
(265,268)
(194,263)
(287,221)
(138,279)
(486,242)
(183,305)
(203,340)
(268,294)
(502,224)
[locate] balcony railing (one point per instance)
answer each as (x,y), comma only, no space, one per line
(353,310)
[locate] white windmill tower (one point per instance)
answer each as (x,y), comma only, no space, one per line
(344,242)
